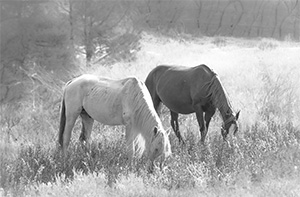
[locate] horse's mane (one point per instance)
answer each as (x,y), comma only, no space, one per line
(145,116)
(218,95)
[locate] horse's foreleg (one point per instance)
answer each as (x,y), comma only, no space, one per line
(129,142)
(208,114)
(130,151)
(128,138)
(175,125)
(203,129)
(157,104)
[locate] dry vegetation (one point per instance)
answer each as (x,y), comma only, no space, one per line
(262,80)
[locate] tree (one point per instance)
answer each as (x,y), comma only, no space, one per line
(93,23)
(32,37)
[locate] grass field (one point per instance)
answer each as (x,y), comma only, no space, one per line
(262,78)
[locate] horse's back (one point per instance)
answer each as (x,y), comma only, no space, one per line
(173,72)
(178,77)
(179,86)
(101,98)
(86,82)
(76,88)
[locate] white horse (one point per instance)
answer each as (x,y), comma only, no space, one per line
(114,102)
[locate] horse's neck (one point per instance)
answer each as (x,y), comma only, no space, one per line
(226,113)
(222,103)
(144,125)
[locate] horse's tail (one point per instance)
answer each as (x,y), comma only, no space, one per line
(62,122)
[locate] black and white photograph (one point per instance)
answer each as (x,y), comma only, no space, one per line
(149,98)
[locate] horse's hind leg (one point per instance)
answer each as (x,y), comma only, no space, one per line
(87,125)
(70,121)
(175,125)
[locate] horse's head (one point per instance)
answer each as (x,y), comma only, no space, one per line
(230,125)
(160,145)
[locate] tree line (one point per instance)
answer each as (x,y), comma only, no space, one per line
(51,35)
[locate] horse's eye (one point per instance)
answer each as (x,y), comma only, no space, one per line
(155,130)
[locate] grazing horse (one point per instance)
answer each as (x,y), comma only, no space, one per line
(187,90)
(114,102)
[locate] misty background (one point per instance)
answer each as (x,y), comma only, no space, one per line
(47,42)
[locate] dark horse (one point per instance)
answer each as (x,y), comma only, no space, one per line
(187,90)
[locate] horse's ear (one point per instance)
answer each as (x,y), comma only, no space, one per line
(155,131)
(237,115)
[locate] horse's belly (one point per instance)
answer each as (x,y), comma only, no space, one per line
(175,94)
(179,102)
(109,120)
(105,112)
(179,107)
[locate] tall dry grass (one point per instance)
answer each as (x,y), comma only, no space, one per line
(261,78)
